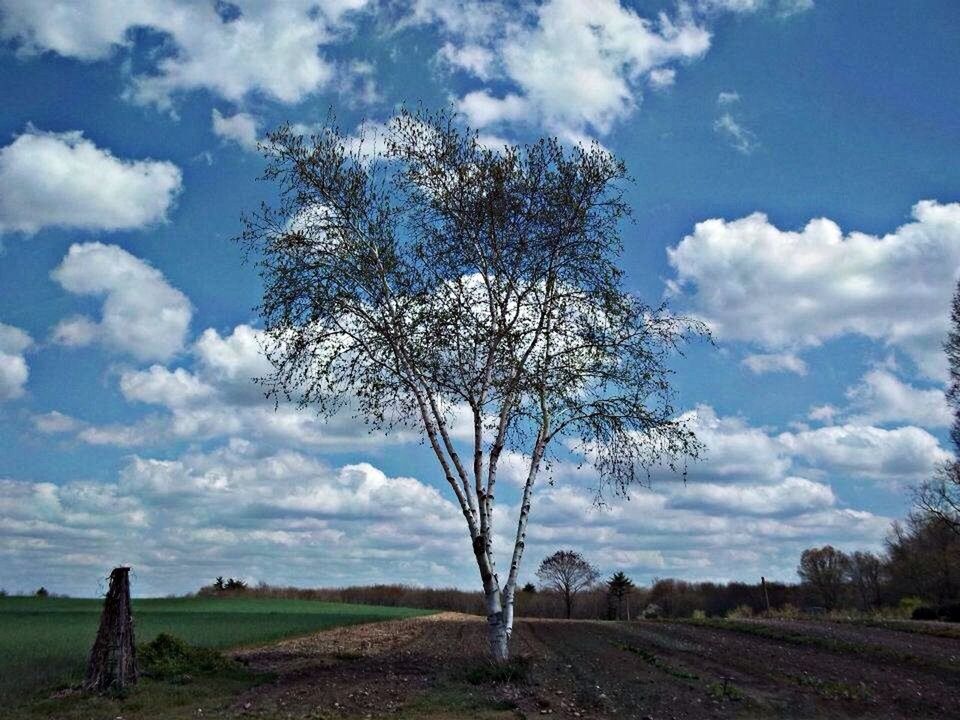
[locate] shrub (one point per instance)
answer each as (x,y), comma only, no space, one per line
(699,615)
(924,612)
(517,670)
(740,612)
(908,604)
(42,592)
(170,658)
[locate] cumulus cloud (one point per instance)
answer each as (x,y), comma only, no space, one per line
(234,510)
(64,180)
(240,128)
(881,397)
(751,281)
(267,48)
(14,372)
(142,314)
(575,67)
(900,455)
(273,515)
(218,398)
(775,362)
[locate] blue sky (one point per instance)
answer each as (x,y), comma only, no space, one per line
(796,186)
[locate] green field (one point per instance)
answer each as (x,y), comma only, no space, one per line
(44,641)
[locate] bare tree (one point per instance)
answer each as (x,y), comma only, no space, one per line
(825,570)
(420,274)
(940,495)
(567,572)
(865,570)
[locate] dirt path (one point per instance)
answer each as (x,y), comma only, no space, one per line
(435,667)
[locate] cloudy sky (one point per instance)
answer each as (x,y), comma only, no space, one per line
(796,186)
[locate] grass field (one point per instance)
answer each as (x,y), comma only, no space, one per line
(44,641)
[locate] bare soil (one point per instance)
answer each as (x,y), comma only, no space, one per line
(435,667)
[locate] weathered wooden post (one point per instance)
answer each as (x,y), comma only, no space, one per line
(766,597)
(113,659)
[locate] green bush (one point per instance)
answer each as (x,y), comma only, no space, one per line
(170,658)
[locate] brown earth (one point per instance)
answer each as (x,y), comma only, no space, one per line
(435,667)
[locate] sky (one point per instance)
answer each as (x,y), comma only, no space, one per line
(795,186)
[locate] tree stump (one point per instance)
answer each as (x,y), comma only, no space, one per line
(113,659)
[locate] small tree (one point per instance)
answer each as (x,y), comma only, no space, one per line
(219,585)
(430,274)
(529,588)
(825,570)
(620,586)
(42,592)
(567,573)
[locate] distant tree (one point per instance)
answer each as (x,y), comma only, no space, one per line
(42,592)
(235,584)
(567,573)
(924,558)
(529,588)
(219,584)
(865,571)
(940,495)
(438,275)
(620,586)
(825,570)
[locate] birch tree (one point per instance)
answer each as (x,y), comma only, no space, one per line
(419,276)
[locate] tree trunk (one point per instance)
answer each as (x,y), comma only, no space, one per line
(113,660)
(497,628)
(569,603)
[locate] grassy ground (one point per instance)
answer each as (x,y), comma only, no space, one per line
(44,641)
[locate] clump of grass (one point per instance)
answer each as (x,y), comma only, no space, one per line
(169,658)
(833,689)
(516,670)
(724,690)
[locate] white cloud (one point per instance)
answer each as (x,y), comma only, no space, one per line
(741,139)
(142,314)
(234,510)
(662,78)
(728,98)
(792,495)
(900,455)
(267,48)
(240,128)
(64,180)
(775,362)
(473,59)
(786,289)
(219,399)
(14,371)
(881,397)
(55,422)
(783,8)
(576,67)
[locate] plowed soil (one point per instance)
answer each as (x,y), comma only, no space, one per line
(435,667)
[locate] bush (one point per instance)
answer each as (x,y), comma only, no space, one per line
(924,612)
(170,658)
(699,615)
(42,592)
(740,612)
(516,670)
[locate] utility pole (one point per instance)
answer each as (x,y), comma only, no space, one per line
(766,597)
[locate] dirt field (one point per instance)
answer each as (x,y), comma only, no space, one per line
(434,667)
